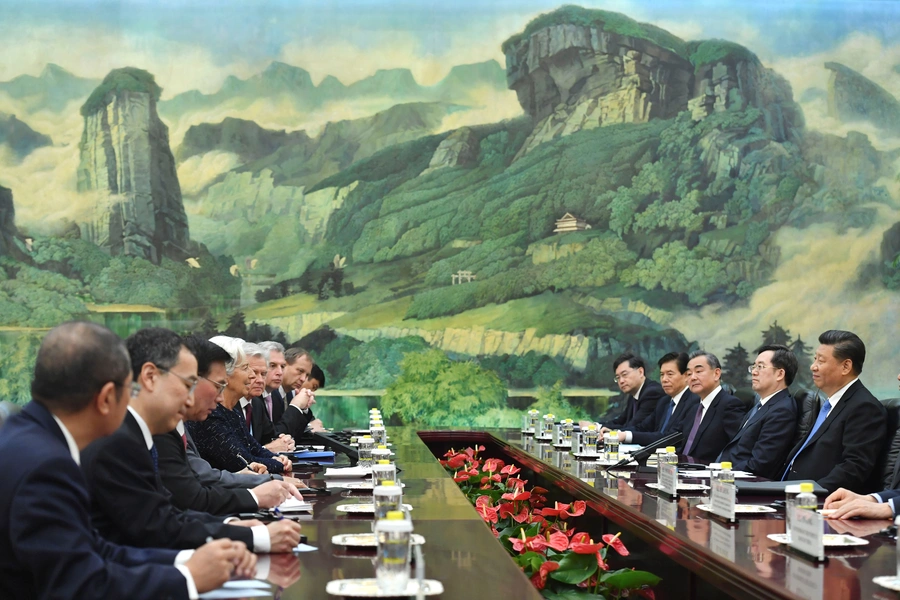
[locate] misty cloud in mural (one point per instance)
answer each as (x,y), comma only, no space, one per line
(708,189)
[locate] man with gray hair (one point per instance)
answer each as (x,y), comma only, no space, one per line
(718,416)
(254,413)
(268,407)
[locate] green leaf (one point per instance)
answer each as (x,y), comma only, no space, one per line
(569,594)
(575,568)
(628,579)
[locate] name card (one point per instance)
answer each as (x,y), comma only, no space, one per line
(806,532)
(804,579)
(721,539)
(668,479)
(721,499)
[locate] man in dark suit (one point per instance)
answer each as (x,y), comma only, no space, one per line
(639,394)
(767,431)
(298,413)
(718,415)
(260,425)
(130,504)
(82,380)
(188,492)
(273,397)
(671,409)
(843,444)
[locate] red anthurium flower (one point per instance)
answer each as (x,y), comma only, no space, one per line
(647,593)
(582,544)
(461,476)
(539,490)
(494,477)
(578,508)
(562,511)
(510,469)
(539,579)
(516,495)
(493,465)
(457,461)
(558,541)
(484,508)
(514,482)
(616,543)
(470,452)
(508,509)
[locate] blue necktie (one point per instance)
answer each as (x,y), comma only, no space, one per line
(752,412)
(669,412)
(155,456)
(823,414)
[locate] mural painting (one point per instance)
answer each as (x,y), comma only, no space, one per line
(467,207)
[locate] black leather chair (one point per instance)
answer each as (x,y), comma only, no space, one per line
(808,405)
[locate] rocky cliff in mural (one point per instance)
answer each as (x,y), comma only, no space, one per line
(8,231)
(576,69)
(853,97)
(127,162)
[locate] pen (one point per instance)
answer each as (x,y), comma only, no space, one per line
(243,460)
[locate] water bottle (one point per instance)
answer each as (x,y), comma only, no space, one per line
(671,456)
(806,499)
(612,447)
(388,497)
(393,534)
(384,470)
(589,439)
(790,501)
(380,453)
(660,461)
(726,475)
(533,417)
(568,428)
(365,447)
(547,429)
(379,435)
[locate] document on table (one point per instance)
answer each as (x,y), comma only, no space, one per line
(348,472)
(240,588)
(706,474)
(294,505)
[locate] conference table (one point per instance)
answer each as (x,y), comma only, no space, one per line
(697,556)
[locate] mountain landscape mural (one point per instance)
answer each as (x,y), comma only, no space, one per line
(506,206)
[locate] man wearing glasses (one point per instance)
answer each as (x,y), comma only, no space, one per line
(129,503)
(767,431)
(188,492)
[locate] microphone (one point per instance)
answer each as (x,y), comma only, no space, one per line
(642,454)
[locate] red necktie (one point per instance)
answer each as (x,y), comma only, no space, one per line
(184,440)
(247,413)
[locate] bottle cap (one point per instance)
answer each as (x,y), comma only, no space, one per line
(726,465)
(384,462)
(394,515)
(367,437)
(569,421)
(382,447)
(592,427)
(670,449)
(614,433)
(806,488)
(387,483)
(395,524)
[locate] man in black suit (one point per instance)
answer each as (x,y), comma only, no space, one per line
(259,424)
(639,394)
(188,492)
(298,413)
(80,389)
(717,417)
(767,431)
(130,504)
(672,409)
(843,444)
(273,396)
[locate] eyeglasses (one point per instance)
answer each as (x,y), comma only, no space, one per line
(624,374)
(220,387)
(190,383)
(758,367)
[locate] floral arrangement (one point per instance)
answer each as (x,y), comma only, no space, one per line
(561,562)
